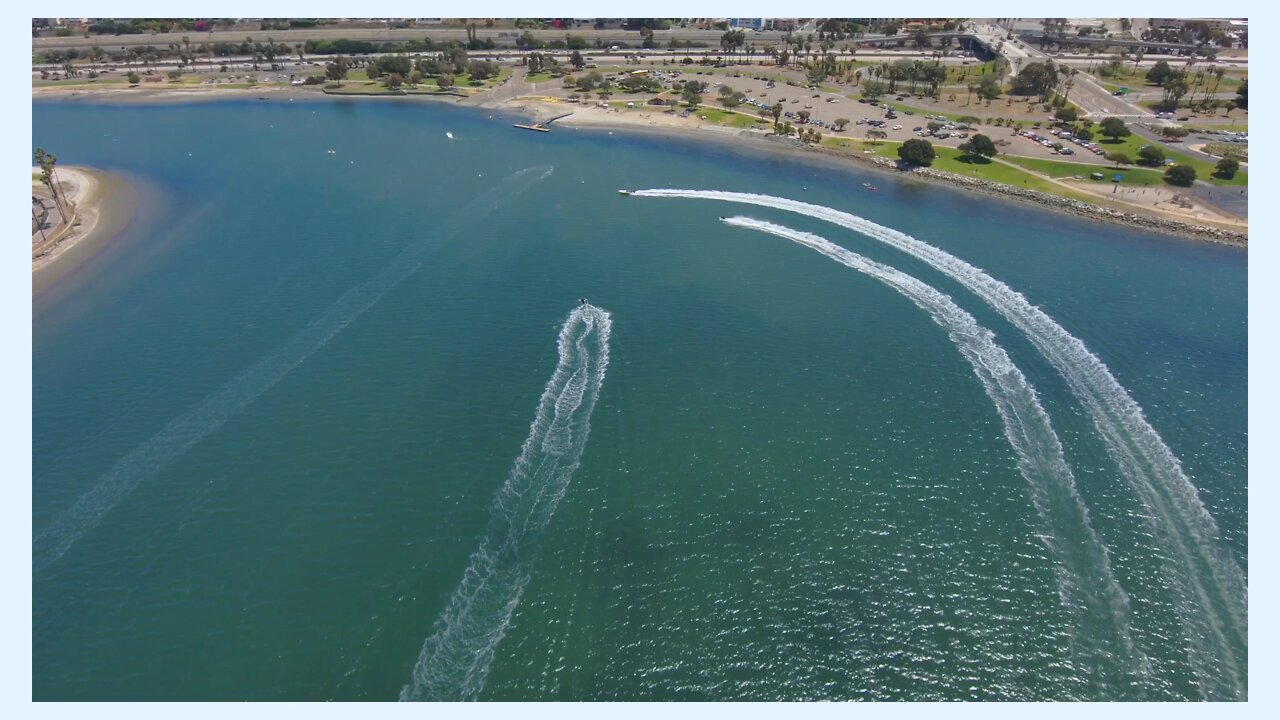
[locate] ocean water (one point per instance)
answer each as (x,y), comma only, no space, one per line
(283,421)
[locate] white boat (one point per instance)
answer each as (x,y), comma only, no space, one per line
(624,192)
(449,135)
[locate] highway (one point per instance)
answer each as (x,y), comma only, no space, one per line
(439,33)
(1094,100)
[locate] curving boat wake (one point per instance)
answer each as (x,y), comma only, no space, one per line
(1086,584)
(455,659)
(1210,589)
(184,432)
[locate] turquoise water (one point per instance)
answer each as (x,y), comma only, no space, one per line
(271,420)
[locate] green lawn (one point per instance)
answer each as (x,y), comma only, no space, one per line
(365,88)
(1143,177)
(81,82)
(1204,169)
(749,72)
(730,118)
(502,75)
(887,148)
(622,105)
(964,74)
(950,160)
(1239,127)
(1112,87)
(538,77)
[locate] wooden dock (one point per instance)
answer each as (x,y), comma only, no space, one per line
(542,126)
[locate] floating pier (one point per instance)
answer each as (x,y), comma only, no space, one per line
(542,126)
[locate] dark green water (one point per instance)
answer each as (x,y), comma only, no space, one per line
(311,373)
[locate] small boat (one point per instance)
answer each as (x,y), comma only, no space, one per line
(869,186)
(624,192)
(449,135)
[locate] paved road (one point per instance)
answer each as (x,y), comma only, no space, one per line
(606,56)
(1232,200)
(1095,100)
(52,220)
(500,35)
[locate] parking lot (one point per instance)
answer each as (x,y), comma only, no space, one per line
(825,108)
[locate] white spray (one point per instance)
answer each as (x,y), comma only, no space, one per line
(1086,585)
(455,659)
(1211,590)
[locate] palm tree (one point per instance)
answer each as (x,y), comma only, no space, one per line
(971,87)
(1071,81)
(38,221)
(1218,72)
(49,176)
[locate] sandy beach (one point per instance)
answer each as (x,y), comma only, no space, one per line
(98,205)
(1154,209)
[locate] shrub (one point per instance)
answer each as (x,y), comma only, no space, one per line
(916,152)
(1183,175)
(1227,168)
(1151,155)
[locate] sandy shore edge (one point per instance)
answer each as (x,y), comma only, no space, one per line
(660,124)
(99,203)
(651,124)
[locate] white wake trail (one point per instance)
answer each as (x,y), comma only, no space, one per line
(180,435)
(1086,585)
(455,659)
(1211,590)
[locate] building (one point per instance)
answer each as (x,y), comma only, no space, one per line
(756,24)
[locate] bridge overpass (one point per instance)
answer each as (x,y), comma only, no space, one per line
(1147,46)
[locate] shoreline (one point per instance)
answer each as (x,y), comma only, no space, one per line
(791,147)
(100,204)
(659,123)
